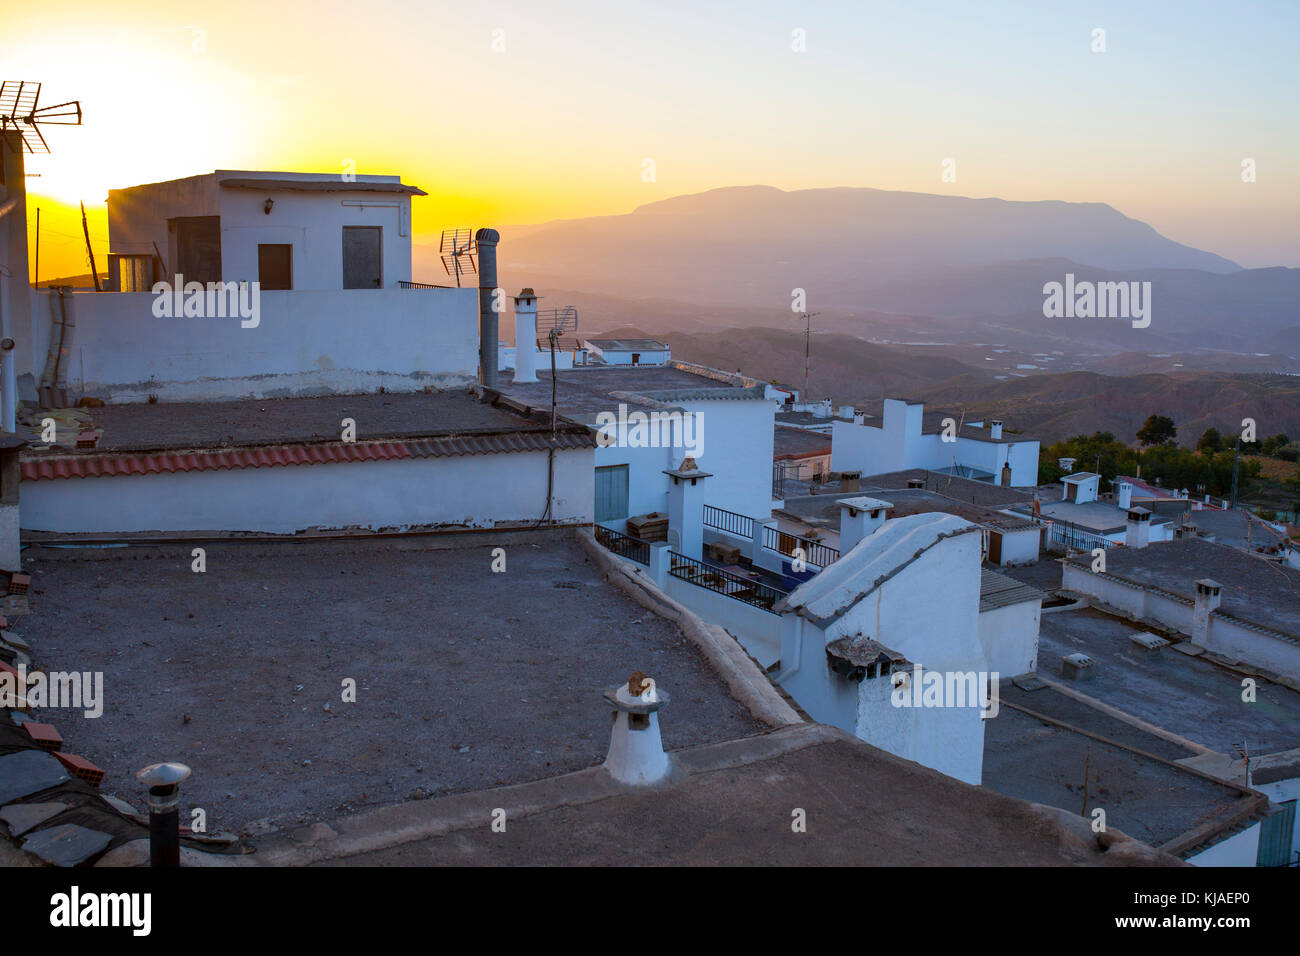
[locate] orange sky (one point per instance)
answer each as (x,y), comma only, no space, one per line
(557,120)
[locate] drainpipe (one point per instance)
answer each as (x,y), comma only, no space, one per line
(8,386)
(486,240)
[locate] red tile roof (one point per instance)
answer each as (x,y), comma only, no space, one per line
(102,465)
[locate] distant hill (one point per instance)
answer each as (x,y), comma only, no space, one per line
(960,267)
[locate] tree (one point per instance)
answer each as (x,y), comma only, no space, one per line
(1210,441)
(1271,446)
(1157,430)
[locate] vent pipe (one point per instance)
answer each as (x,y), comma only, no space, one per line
(489,302)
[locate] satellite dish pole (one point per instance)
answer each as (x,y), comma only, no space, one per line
(807,347)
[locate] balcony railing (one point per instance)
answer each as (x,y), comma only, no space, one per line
(624,545)
(403,284)
(782,542)
(720,520)
(724,582)
(1067,534)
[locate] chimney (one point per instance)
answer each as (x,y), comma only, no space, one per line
(995,429)
(164,781)
(1125,491)
(1138,530)
(486,241)
(525,337)
(860,517)
(1065,464)
(636,750)
(916,482)
(686,509)
(1207,599)
(850,480)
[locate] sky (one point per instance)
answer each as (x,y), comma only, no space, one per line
(523,112)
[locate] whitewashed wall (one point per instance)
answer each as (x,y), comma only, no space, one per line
(306,343)
(1240,849)
(929,613)
(1226,636)
(478,491)
(758,631)
(1009,636)
(1020,547)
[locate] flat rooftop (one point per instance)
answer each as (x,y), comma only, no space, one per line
(582,393)
(731,806)
(1149,799)
(823,510)
(1188,696)
(1103,517)
(1254,589)
(790,442)
(982,493)
(278,421)
(465,679)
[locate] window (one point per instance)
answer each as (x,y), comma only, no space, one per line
(275,266)
(198,247)
(363,261)
(611,493)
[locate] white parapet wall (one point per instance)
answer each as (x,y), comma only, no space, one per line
(304,343)
(475,491)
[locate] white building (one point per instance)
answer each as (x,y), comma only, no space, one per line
(629,351)
(906,436)
(334,311)
(872,614)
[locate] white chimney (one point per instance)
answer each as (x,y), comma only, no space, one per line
(1066,464)
(1207,599)
(1138,530)
(525,337)
(995,429)
(860,517)
(636,750)
(686,509)
(1125,492)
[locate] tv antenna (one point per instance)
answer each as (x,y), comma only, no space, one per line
(807,347)
(18,111)
(560,321)
(458,253)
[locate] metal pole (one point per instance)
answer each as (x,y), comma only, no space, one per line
(1236,455)
(36,279)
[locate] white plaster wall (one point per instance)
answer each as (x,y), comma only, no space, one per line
(1225,636)
(1009,636)
(1020,547)
(478,491)
(625,358)
(929,613)
(313,223)
(307,342)
(947,739)
(758,631)
(1240,849)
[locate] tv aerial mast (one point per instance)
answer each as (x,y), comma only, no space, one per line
(459,253)
(807,348)
(18,111)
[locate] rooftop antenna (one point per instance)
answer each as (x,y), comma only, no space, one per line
(807,347)
(560,321)
(18,111)
(458,253)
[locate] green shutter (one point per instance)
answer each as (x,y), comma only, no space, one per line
(1275,835)
(611,493)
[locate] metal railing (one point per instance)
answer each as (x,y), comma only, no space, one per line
(1067,534)
(724,582)
(624,545)
(403,284)
(722,520)
(782,542)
